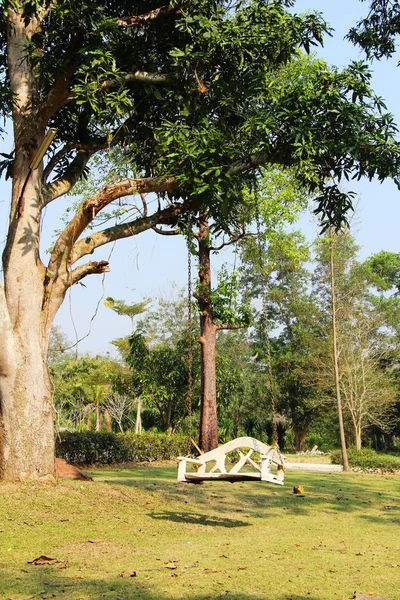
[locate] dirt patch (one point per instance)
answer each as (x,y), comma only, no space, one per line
(65,470)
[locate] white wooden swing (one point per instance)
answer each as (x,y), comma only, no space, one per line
(213,464)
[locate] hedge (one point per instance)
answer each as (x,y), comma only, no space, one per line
(90,448)
(368,460)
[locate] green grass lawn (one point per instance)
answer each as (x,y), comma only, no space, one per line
(247,541)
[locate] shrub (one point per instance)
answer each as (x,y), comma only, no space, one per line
(367,459)
(89,448)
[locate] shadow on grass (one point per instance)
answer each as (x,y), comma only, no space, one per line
(47,583)
(197,519)
(371,496)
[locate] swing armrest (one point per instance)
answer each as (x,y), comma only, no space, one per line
(191,460)
(182,464)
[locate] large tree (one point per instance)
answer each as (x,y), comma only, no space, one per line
(185,94)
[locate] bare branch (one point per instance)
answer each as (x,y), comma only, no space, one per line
(166,232)
(90,268)
(233,240)
(150,16)
(89,244)
(139,77)
(144,202)
(89,209)
(62,186)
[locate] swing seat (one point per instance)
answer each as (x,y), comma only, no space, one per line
(212,465)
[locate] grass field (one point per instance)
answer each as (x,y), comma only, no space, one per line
(247,541)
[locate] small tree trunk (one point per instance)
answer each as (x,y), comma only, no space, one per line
(345,460)
(208,437)
(108,420)
(98,417)
(358,439)
(138,423)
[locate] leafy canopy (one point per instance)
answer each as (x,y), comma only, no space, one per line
(203,90)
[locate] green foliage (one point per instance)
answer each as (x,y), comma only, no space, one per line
(377,32)
(80,388)
(366,459)
(228,307)
(128,310)
(384,269)
(89,448)
(160,376)
(236,90)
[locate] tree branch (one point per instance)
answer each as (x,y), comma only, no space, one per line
(164,232)
(150,16)
(89,209)
(64,184)
(144,202)
(54,161)
(124,230)
(231,326)
(90,268)
(140,77)
(59,94)
(233,240)
(256,160)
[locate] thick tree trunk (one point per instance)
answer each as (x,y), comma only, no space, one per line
(27,430)
(26,408)
(208,437)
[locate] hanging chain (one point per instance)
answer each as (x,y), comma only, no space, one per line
(264,313)
(190,350)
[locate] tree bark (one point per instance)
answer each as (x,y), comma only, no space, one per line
(208,436)
(358,439)
(26,413)
(138,422)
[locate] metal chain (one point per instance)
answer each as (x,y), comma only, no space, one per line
(190,350)
(264,312)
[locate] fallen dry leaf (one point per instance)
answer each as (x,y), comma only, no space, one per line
(208,571)
(43,560)
(127,574)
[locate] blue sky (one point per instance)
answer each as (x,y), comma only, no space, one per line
(147,265)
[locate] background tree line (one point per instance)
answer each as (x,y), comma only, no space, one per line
(151,371)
